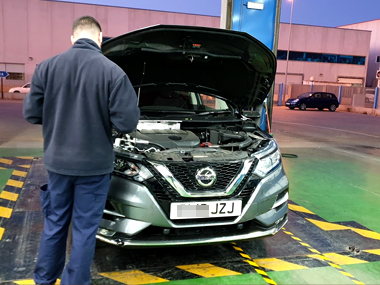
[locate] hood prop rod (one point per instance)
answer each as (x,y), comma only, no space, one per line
(142,79)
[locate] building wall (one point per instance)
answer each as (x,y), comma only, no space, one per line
(33,30)
(322,40)
(374,49)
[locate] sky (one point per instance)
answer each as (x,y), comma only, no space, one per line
(330,13)
(327,13)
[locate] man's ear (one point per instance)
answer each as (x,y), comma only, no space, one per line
(100,40)
(73,39)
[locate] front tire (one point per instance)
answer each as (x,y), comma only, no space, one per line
(332,108)
(303,106)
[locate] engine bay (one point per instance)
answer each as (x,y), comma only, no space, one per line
(170,140)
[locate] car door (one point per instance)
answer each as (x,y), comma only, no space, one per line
(314,100)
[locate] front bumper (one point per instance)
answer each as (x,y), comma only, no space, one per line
(139,221)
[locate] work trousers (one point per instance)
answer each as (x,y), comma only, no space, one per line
(82,199)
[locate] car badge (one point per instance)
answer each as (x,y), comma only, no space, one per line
(205,177)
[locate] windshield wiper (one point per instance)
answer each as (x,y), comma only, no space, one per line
(167,111)
(215,113)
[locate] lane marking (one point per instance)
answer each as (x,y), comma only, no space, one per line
(339,259)
(2,230)
(373,251)
(299,209)
(326,226)
(24,166)
(15,183)
(19,173)
(6,161)
(31,281)
(5,212)
(253,263)
(25,157)
(133,277)
(326,259)
(327,128)
(278,264)
(8,195)
(207,270)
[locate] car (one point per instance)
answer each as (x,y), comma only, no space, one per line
(320,100)
(23,89)
(195,171)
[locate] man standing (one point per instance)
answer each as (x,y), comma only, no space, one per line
(78,97)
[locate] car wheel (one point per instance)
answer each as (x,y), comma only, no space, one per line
(332,108)
(320,109)
(303,106)
(291,108)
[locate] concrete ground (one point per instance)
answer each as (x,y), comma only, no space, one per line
(333,235)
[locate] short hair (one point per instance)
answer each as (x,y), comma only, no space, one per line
(86,22)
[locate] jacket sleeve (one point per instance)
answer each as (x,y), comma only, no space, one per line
(34,100)
(124,112)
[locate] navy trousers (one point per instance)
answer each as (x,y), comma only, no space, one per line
(82,199)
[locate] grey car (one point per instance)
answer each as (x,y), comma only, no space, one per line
(196,170)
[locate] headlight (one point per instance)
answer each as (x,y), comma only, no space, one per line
(268,163)
(136,171)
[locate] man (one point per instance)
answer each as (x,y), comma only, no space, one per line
(78,97)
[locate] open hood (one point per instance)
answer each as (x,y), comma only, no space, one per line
(230,64)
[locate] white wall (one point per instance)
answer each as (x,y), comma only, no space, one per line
(33,30)
(323,40)
(374,51)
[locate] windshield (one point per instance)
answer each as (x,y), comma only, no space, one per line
(180,101)
(304,95)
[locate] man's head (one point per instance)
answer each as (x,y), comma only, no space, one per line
(87,27)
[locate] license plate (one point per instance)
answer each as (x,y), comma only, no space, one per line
(209,209)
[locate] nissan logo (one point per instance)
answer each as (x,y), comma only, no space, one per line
(205,177)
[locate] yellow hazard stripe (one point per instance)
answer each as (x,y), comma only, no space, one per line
(15,183)
(24,166)
(2,168)
(19,173)
(6,161)
(276,264)
(5,212)
(1,232)
(25,157)
(207,270)
(299,209)
(8,195)
(31,281)
(133,277)
(245,255)
(338,258)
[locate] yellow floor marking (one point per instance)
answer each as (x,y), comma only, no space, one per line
(328,226)
(2,168)
(299,209)
(9,195)
(277,264)
(15,183)
(25,157)
(373,251)
(335,227)
(5,212)
(25,166)
(245,255)
(367,233)
(31,282)
(6,161)
(1,232)
(133,277)
(19,173)
(207,270)
(339,259)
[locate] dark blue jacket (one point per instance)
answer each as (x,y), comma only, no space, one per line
(78,96)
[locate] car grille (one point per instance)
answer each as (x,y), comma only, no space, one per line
(185,173)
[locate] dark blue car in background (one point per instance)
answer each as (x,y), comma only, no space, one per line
(319,100)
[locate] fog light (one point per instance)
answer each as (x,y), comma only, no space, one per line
(240,226)
(166,231)
(105,232)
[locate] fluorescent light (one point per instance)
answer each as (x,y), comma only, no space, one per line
(255,5)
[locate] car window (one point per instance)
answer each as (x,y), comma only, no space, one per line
(317,95)
(304,95)
(27,85)
(213,103)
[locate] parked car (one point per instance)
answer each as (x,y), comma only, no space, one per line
(195,171)
(23,89)
(320,100)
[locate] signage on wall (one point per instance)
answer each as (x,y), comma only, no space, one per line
(197,7)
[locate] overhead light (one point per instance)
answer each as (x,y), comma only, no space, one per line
(255,5)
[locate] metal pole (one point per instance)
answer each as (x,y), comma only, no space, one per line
(280,94)
(287,54)
(2,91)
(376,97)
(340,93)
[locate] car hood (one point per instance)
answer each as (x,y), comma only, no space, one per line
(230,64)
